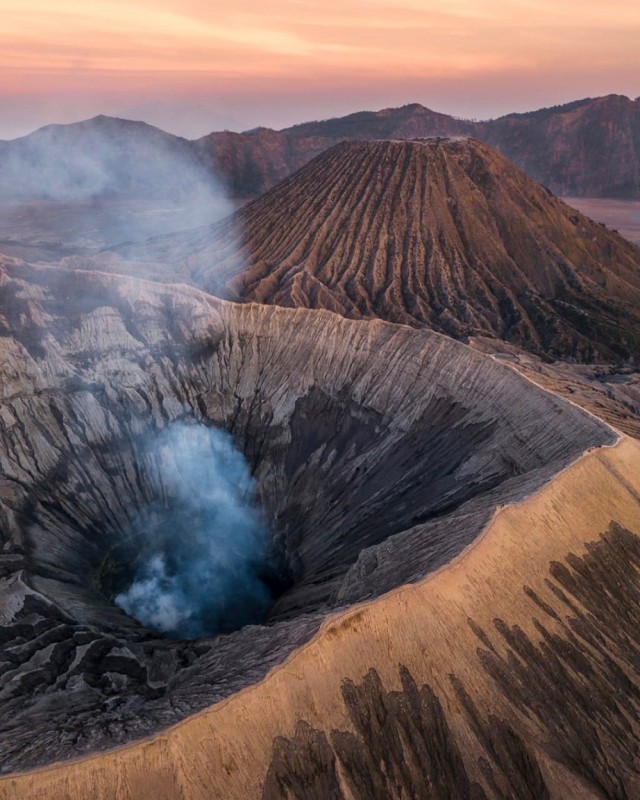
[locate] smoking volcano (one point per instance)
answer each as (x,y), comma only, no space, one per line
(375,452)
(198,555)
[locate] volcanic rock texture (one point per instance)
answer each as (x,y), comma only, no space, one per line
(487,529)
(380,452)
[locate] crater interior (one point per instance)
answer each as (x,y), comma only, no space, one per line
(379,453)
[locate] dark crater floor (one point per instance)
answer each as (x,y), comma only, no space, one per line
(378,453)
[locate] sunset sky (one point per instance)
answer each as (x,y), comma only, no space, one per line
(191,66)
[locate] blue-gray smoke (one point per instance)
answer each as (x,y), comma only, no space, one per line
(201,549)
(96,184)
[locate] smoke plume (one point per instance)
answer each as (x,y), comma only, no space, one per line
(103,182)
(201,549)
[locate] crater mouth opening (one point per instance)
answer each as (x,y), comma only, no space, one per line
(200,559)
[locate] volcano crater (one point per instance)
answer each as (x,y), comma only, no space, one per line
(378,453)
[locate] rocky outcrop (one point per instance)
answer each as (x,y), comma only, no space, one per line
(379,452)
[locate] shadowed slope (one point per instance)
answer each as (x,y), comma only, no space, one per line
(443,233)
(589,148)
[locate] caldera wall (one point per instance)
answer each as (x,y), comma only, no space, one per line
(380,453)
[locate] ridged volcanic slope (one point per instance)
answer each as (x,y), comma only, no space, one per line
(444,233)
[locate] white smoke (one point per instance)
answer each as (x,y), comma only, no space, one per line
(103,182)
(202,547)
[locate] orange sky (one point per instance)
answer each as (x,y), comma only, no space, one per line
(196,65)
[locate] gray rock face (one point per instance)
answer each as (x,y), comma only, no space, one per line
(379,452)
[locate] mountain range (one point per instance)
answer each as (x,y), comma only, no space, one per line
(587,148)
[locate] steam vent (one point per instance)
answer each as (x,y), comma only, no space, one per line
(431,586)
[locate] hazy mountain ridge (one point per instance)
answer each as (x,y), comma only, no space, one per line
(588,147)
(100,157)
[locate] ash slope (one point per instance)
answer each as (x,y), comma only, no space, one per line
(442,233)
(506,675)
(379,452)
